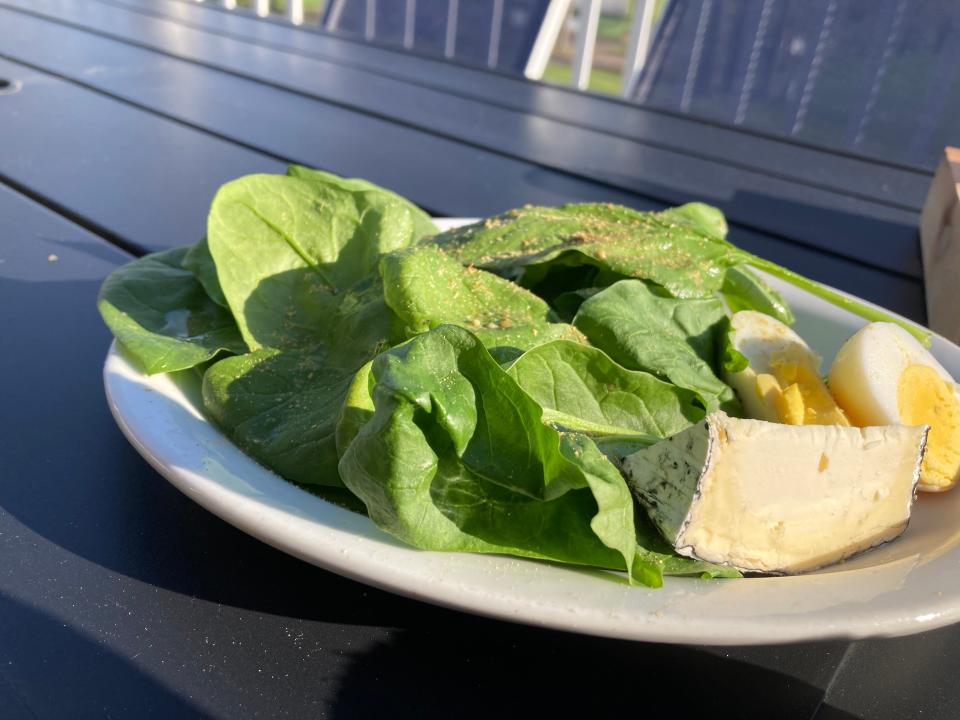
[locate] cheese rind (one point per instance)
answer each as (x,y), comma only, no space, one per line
(766,497)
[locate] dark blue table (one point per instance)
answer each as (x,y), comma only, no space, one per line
(121,598)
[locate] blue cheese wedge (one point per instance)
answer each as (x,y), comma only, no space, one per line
(773,498)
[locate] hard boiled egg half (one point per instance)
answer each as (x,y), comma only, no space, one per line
(884,376)
(782,381)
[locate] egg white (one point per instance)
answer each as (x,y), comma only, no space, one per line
(865,375)
(762,340)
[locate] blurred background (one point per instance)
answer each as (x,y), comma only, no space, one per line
(870,77)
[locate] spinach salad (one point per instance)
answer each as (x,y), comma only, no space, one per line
(466,389)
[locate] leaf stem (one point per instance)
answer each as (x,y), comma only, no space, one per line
(564,421)
(835,298)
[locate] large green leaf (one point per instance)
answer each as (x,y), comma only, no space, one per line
(368,195)
(425,288)
(672,338)
(581,388)
(160,313)
(557,251)
(742,288)
(297,258)
(285,247)
(456,457)
(281,404)
(620,241)
(280,407)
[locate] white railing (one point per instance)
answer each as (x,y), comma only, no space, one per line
(586,43)
(294,13)
(638,46)
(588,17)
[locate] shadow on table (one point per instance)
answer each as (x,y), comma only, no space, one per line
(48,669)
(69,476)
(524,672)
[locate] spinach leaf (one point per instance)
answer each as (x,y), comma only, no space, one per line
(425,289)
(682,250)
(297,258)
(742,288)
(568,303)
(285,247)
(745,290)
(455,457)
(839,299)
(672,338)
(356,411)
(280,407)
(580,388)
(281,404)
(729,359)
(160,313)
(620,241)
(199,261)
(369,195)
(653,551)
(703,218)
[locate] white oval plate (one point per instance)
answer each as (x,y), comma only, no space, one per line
(905,587)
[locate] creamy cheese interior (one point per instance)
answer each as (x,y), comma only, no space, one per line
(793,498)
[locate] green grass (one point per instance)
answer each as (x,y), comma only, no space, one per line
(613,33)
(602,81)
(618,28)
(613,28)
(279,6)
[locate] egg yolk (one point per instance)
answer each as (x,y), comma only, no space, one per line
(790,405)
(798,396)
(769,392)
(924,398)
